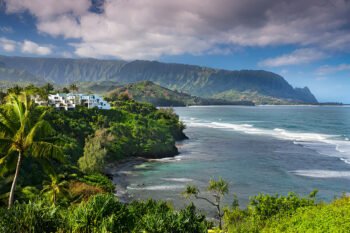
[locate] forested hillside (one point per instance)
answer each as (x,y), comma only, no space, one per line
(147,91)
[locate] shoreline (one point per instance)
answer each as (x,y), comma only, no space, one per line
(119,171)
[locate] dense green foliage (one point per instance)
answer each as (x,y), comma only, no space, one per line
(130,129)
(88,138)
(102,213)
(263,209)
(332,217)
(24,134)
(195,80)
(98,180)
(94,156)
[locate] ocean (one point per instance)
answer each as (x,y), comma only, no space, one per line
(262,149)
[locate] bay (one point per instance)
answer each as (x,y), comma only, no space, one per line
(262,149)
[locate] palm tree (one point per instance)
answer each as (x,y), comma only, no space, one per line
(55,188)
(24,133)
(73,87)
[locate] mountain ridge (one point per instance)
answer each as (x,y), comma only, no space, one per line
(192,79)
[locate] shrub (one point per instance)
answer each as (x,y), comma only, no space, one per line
(32,217)
(153,216)
(101,213)
(94,156)
(100,181)
(332,217)
(262,208)
(83,191)
(265,206)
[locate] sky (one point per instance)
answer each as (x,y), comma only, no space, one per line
(305,41)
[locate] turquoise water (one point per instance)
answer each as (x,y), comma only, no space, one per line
(268,149)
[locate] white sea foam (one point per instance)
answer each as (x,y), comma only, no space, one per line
(345,160)
(168,159)
(322,173)
(185,180)
(331,145)
(278,133)
(156,187)
(125,172)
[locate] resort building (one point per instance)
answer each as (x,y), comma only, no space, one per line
(70,101)
(62,101)
(38,100)
(92,101)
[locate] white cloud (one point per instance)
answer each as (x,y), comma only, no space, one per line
(7,45)
(33,48)
(151,28)
(300,56)
(25,46)
(48,8)
(332,69)
(65,25)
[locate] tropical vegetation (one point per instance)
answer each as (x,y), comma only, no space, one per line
(53,175)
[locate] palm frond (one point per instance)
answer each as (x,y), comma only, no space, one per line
(46,150)
(6,125)
(41,129)
(5,144)
(17,106)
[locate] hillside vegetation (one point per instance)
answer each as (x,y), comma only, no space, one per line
(194,80)
(255,97)
(87,138)
(147,91)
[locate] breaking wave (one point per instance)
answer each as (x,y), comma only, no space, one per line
(185,180)
(331,145)
(322,173)
(156,187)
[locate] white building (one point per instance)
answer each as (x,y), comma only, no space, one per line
(92,101)
(62,101)
(70,101)
(38,100)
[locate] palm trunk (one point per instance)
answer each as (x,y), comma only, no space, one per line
(220,216)
(13,187)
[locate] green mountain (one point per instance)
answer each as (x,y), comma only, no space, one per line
(10,75)
(147,91)
(253,96)
(65,70)
(195,80)
(100,87)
